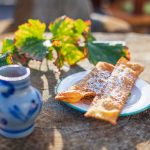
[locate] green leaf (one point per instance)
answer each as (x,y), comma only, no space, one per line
(5,59)
(62,26)
(31,29)
(54,27)
(105,52)
(71,34)
(68,30)
(71,53)
(80,26)
(34,48)
(8,46)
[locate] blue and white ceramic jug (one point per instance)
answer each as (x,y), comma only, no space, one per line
(20,103)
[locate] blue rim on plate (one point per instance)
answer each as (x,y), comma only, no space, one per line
(139,89)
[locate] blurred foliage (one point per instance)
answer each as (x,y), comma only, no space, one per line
(128,6)
(71,40)
(147,8)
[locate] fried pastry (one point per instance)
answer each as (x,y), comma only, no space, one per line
(114,94)
(89,86)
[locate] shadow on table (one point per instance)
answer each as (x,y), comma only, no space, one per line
(60,127)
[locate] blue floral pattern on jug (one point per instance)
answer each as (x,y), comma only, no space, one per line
(16,112)
(10,88)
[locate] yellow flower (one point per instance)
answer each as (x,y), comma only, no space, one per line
(56,43)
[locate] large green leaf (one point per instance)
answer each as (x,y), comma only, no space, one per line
(34,48)
(33,28)
(55,27)
(72,34)
(105,52)
(68,30)
(62,26)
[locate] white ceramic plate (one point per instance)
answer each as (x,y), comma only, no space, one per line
(137,102)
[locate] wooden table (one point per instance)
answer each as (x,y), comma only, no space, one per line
(60,127)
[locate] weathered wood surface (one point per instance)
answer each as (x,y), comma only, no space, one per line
(60,127)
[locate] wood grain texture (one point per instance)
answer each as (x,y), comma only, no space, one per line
(62,128)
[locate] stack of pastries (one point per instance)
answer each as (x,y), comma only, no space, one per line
(107,86)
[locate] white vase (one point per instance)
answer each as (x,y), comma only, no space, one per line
(20,103)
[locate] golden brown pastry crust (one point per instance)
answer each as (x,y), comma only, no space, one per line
(108,105)
(89,85)
(138,68)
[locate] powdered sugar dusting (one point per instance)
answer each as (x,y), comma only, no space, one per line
(94,81)
(120,83)
(97,81)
